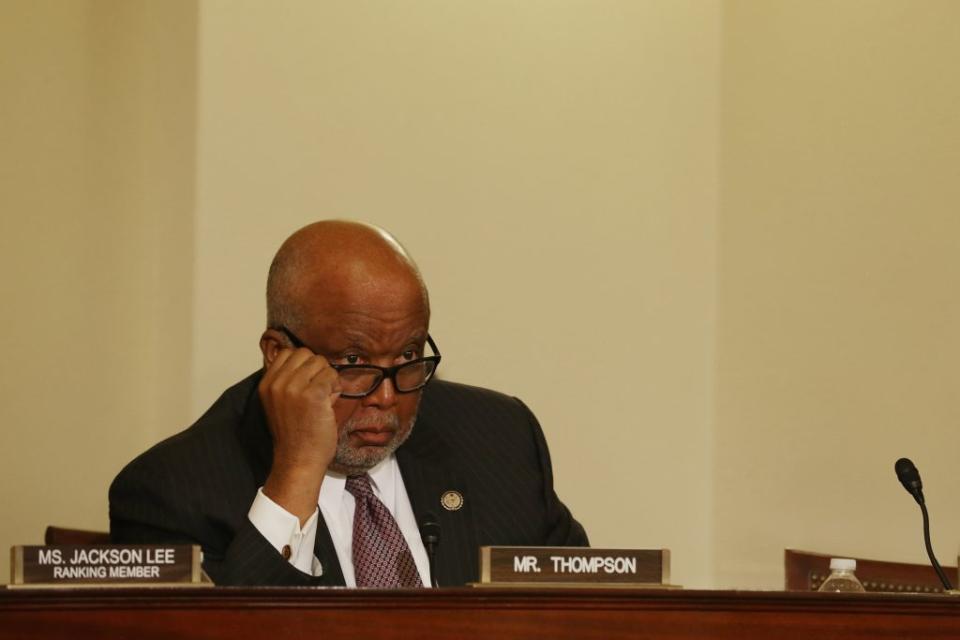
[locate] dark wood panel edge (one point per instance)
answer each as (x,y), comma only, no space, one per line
(488,599)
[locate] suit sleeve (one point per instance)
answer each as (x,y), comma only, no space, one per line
(560,527)
(145,509)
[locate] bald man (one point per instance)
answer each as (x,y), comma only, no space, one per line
(322,467)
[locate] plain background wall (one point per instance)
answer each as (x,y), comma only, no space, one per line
(97,103)
(839,281)
(709,243)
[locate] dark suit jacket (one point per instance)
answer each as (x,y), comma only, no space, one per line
(197,486)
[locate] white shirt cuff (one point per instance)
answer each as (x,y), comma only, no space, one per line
(283,531)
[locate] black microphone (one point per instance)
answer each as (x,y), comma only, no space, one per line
(430,534)
(910,479)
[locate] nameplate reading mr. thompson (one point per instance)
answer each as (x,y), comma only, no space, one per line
(105,565)
(574,566)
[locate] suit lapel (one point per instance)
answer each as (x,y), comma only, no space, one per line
(428,474)
(327,555)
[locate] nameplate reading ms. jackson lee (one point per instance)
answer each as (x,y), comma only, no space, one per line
(106,565)
(576,566)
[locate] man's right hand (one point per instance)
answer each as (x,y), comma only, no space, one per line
(298,391)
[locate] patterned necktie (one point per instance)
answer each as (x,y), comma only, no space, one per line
(381,557)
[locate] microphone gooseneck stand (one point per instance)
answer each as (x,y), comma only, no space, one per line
(909,477)
(933,559)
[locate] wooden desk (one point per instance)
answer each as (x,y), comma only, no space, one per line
(471,613)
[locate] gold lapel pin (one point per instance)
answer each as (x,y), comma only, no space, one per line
(452,500)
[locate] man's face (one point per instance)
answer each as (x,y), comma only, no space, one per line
(371,325)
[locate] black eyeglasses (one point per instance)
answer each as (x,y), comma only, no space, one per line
(360,380)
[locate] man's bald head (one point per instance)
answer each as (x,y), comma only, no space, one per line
(332,259)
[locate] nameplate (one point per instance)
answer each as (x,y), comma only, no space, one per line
(106,565)
(574,566)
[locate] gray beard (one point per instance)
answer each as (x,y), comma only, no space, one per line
(352,461)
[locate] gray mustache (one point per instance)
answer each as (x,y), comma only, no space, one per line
(388,421)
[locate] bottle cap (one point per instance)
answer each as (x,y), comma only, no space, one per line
(843,564)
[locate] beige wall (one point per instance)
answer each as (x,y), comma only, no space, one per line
(839,281)
(707,242)
(96,172)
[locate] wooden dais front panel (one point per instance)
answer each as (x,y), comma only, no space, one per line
(236,614)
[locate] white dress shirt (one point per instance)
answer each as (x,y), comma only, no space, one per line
(282,529)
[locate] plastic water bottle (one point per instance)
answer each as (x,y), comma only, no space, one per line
(841,577)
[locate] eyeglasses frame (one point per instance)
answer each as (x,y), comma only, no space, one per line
(385,372)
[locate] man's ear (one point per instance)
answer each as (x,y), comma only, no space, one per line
(272,342)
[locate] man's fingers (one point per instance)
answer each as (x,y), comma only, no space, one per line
(313,373)
(335,389)
(296,373)
(274,368)
(283,370)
